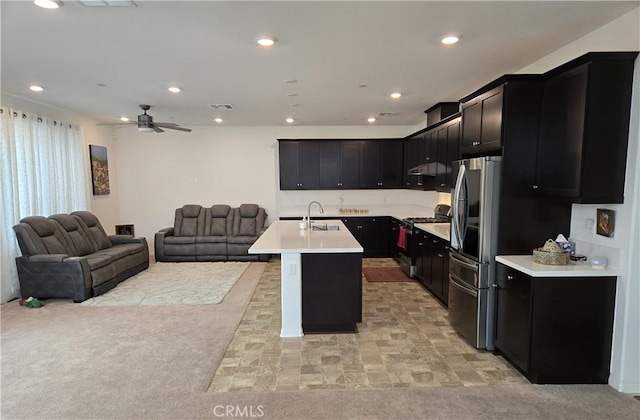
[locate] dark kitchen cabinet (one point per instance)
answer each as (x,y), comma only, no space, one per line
(394,229)
(584,129)
(482,122)
(299,165)
(439,146)
(555,330)
(447,150)
(413,152)
(340,164)
(381,164)
(372,233)
(432,264)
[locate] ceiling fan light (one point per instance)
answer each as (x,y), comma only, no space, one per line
(125,119)
(174,89)
(48,4)
(396,95)
(371,119)
(36,88)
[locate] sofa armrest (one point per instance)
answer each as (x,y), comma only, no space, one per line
(42,258)
(54,276)
(126,239)
(159,243)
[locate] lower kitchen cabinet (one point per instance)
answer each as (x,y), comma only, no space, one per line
(555,330)
(432,264)
(372,233)
(394,228)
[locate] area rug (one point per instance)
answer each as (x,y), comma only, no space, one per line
(170,284)
(378,274)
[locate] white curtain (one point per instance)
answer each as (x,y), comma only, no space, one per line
(42,172)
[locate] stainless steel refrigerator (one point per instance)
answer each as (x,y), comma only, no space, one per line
(475,202)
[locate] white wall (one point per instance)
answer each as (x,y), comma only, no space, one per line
(158,173)
(622,34)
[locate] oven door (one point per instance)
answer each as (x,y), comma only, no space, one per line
(405,258)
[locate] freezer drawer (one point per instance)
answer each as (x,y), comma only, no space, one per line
(468,312)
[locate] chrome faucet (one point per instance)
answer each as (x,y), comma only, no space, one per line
(309,211)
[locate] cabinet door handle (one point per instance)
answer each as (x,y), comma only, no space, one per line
(442,185)
(509,277)
(440,255)
(420,243)
(535,187)
(419,184)
(476,143)
(435,241)
(339,184)
(428,158)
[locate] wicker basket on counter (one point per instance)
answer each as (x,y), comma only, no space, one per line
(551,254)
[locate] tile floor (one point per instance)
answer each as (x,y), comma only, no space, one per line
(405,340)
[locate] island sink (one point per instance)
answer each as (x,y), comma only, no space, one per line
(324,227)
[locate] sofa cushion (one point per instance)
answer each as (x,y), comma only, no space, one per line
(132,248)
(248,210)
(41,237)
(218,220)
(180,240)
(74,233)
(211,239)
(241,239)
(189,221)
(93,229)
(115,252)
(98,260)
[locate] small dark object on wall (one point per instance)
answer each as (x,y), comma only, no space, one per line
(606,222)
(125,230)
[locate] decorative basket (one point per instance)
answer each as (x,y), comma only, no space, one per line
(551,254)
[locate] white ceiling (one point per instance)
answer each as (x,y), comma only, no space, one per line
(330,48)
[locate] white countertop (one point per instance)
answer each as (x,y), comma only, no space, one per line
(525,264)
(441,230)
(285,236)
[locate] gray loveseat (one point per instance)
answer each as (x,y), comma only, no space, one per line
(71,256)
(217,233)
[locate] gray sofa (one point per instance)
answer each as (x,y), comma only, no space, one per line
(217,233)
(71,256)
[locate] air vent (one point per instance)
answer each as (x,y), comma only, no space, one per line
(221,106)
(386,114)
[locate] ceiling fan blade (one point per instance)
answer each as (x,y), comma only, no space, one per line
(157,129)
(172,126)
(120,123)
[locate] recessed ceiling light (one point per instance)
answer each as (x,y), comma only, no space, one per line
(289,120)
(174,89)
(291,81)
(125,119)
(218,120)
(292,95)
(295,105)
(371,119)
(266,40)
(36,88)
(451,39)
(362,86)
(48,4)
(396,95)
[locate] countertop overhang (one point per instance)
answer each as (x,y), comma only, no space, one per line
(285,236)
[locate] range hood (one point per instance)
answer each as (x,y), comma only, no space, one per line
(428,169)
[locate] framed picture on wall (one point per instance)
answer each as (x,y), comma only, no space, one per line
(99,170)
(125,230)
(606,222)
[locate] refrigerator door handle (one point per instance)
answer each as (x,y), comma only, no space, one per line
(456,204)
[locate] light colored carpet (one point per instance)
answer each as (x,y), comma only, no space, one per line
(169,284)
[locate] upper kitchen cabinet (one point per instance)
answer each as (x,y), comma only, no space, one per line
(584,129)
(340,164)
(488,114)
(447,150)
(381,164)
(299,164)
(482,122)
(413,152)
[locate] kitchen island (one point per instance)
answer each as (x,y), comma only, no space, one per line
(321,275)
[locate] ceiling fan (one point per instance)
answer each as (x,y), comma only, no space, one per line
(145,123)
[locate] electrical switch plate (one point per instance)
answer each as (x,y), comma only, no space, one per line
(292,268)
